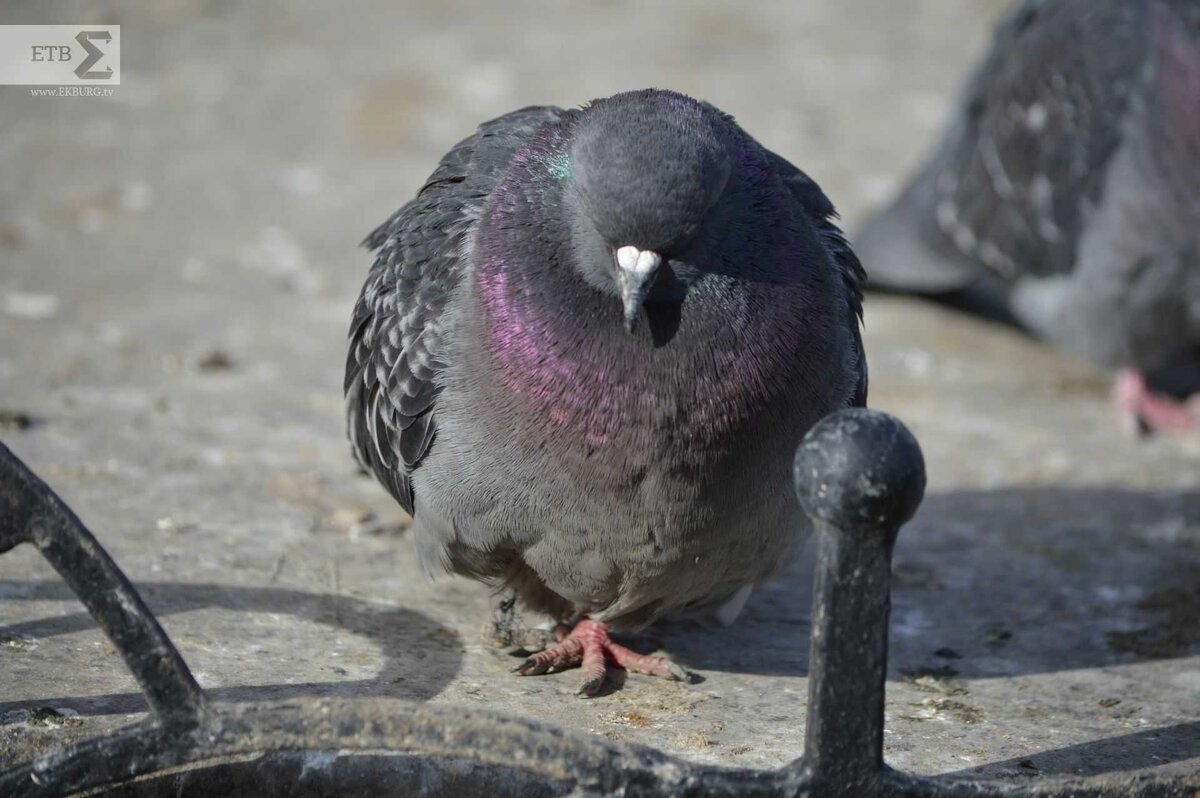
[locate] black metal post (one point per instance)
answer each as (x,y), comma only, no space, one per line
(859,476)
(32,513)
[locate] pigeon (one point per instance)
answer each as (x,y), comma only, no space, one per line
(585,354)
(1065,194)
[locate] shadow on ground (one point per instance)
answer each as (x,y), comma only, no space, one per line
(1000,583)
(407,641)
(1144,749)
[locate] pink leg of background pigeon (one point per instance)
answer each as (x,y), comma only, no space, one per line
(589,646)
(1138,403)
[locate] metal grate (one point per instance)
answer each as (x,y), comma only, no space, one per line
(860,476)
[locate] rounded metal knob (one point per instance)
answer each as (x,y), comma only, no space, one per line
(860,469)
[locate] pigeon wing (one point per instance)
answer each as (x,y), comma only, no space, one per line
(396,332)
(1007,191)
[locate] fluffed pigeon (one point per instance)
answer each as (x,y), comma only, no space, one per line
(1066,195)
(585,354)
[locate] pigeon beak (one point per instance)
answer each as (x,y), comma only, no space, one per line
(636,269)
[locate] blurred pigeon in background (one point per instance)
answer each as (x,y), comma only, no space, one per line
(1065,196)
(584,357)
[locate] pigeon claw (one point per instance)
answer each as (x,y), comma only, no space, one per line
(590,647)
(1146,411)
(677,673)
(530,667)
(591,688)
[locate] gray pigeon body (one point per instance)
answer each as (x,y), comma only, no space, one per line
(604,447)
(1066,192)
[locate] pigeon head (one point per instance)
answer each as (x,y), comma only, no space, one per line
(646,170)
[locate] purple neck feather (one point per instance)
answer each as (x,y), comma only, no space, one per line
(560,350)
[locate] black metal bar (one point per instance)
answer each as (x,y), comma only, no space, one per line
(859,476)
(31,512)
(578,764)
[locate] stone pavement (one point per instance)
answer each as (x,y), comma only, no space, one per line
(177,267)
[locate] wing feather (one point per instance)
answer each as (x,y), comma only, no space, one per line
(396,347)
(1010,185)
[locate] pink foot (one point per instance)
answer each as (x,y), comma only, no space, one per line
(589,646)
(1150,411)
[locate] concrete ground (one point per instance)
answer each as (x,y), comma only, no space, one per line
(177,268)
